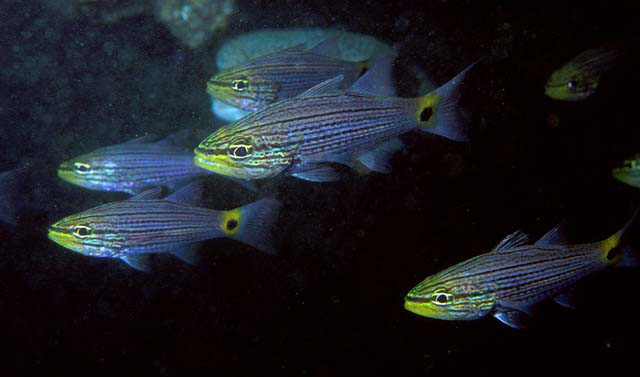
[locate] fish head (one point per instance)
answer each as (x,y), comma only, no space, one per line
(87,233)
(241,151)
(629,171)
(449,299)
(570,83)
(92,171)
(243,89)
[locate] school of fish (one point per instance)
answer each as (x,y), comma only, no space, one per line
(308,110)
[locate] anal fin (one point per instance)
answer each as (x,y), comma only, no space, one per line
(379,158)
(139,262)
(188,254)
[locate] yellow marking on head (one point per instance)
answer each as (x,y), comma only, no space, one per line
(231,222)
(65,240)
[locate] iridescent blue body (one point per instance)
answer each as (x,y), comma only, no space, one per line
(144,224)
(300,135)
(282,74)
(132,167)
(510,280)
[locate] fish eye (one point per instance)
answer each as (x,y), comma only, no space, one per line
(240,150)
(81,231)
(239,84)
(572,85)
(441,298)
(81,167)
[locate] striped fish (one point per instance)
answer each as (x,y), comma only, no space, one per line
(133,166)
(300,135)
(132,229)
(578,79)
(629,171)
(511,279)
(284,74)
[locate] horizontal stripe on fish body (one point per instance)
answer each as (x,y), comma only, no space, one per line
(527,274)
(335,123)
(130,168)
(278,76)
(148,226)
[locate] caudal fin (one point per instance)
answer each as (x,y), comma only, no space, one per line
(619,254)
(438,112)
(253,224)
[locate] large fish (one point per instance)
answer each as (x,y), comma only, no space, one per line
(133,166)
(578,79)
(285,74)
(515,276)
(132,229)
(300,136)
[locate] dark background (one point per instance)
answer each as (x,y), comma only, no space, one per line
(330,303)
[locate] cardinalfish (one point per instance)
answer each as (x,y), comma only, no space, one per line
(300,136)
(285,74)
(578,79)
(133,166)
(515,276)
(132,229)
(629,172)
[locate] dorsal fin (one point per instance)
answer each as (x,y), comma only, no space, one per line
(378,80)
(146,139)
(295,48)
(515,239)
(190,194)
(328,47)
(152,193)
(324,87)
(554,237)
(176,139)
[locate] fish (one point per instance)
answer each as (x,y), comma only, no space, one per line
(301,136)
(133,166)
(509,281)
(578,79)
(629,171)
(131,230)
(11,202)
(284,74)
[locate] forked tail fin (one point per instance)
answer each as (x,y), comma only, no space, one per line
(252,224)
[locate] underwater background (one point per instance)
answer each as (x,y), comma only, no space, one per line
(77,76)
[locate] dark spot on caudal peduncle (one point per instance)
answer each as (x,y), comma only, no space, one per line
(232,224)
(426,114)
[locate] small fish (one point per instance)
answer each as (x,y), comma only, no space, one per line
(629,172)
(10,189)
(133,166)
(132,229)
(579,78)
(284,74)
(299,136)
(515,276)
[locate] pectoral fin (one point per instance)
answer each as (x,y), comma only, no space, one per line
(514,319)
(317,173)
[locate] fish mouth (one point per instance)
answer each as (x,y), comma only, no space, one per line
(66,174)
(208,162)
(61,238)
(417,306)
